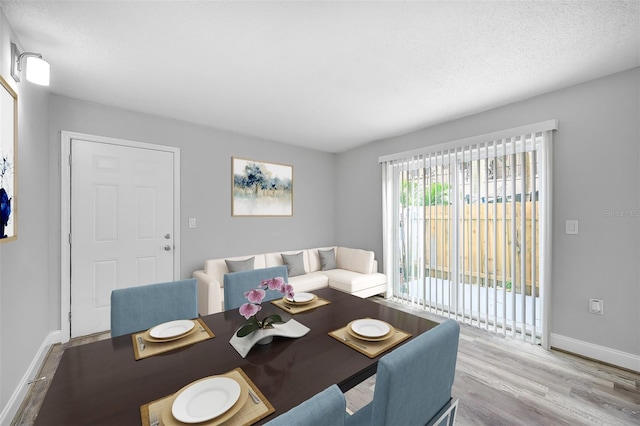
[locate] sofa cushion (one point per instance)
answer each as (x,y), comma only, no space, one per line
(308,282)
(355,260)
(352,282)
(275,258)
(327,259)
(295,263)
(240,265)
(216,268)
(313,258)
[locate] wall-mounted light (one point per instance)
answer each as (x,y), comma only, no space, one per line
(37,70)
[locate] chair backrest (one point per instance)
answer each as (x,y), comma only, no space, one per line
(237,283)
(140,308)
(327,408)
(413,382)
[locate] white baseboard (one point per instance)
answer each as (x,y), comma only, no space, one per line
(597,352)
(13,405)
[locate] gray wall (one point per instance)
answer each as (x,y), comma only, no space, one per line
(596,157)
(24,276)
(205,185)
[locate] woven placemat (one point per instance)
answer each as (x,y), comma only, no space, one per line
(201,333)
(296,309)
(250,412)
(370,349)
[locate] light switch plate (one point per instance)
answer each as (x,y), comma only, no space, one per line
(192,222)
(571,227)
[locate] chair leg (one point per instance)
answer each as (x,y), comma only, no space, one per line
(448,416)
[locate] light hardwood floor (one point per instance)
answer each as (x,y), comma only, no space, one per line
(499,381)
(503,381)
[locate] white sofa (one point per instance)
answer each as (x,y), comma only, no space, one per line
(355,273)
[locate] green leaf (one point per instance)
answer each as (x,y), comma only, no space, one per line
(276,318)
(272,319)
(247,329)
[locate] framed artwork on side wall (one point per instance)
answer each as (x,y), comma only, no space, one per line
(8,161)
(259,188)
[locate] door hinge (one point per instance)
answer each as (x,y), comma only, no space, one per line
(69,317)
(69,238)
(69,159)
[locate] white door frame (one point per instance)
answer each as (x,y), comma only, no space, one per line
(65,215)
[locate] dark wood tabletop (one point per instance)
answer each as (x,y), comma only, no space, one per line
(102,383)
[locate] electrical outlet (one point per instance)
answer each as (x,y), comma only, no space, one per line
(596,306)
(571,227)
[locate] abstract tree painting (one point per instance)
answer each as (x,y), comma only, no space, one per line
(261,188)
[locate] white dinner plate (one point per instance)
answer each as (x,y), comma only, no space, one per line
(370,327)
(205,400)
(301,298)
(171,329)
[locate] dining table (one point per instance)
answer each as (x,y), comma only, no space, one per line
(102,383)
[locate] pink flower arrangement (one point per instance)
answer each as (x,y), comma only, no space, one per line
(255,297)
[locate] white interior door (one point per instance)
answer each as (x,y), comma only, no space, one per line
(122,226)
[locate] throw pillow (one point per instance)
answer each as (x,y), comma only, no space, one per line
(327,259)
(295,264)
(240,265)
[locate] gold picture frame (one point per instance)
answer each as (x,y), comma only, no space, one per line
(8,162)
(259,188)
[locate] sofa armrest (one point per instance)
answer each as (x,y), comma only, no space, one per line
(209,294)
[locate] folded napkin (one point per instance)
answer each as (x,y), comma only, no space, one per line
(291,328)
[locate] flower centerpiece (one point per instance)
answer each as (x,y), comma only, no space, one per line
(255,296)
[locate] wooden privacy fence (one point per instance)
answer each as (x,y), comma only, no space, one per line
(481,230)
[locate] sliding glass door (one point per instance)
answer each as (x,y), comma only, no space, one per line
(465,226)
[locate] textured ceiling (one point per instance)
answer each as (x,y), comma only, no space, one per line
(324,75)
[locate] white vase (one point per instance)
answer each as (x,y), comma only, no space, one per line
(265,340)
(264,336)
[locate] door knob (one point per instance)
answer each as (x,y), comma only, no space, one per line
(167,236)
(167,247)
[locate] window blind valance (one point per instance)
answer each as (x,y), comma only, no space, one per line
(528,129)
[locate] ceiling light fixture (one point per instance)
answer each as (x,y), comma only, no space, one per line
(37,70)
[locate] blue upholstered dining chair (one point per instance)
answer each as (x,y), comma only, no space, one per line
(139,308)
(413,382)
(327,408)
(237,283)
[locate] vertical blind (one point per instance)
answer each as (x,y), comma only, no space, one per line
(467,229)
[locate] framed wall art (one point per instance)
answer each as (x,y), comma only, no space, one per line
(8,161)
(259,188)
